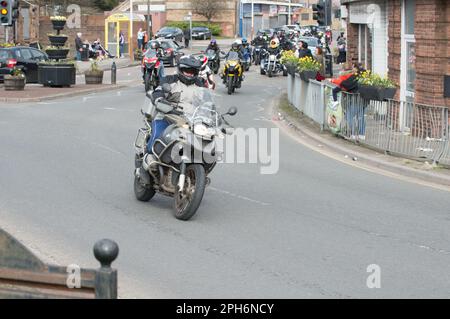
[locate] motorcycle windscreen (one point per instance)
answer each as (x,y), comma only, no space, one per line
(204,108)
(233,56)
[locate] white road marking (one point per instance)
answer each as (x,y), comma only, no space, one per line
(239,196)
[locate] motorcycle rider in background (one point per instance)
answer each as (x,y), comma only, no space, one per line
(183,85)
(274,48)
(156,46)
(236,46)
(259,41)
(207,74)
(213,46)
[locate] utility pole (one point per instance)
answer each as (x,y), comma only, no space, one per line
(130,43)
(253,20)
(149,20)
(289,16)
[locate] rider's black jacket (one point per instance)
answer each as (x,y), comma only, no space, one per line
(259,42)
(213,47)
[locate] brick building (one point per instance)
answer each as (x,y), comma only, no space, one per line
(406,39)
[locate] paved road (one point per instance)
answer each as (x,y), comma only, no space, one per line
(311,230)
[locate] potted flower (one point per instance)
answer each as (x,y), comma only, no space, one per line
(375,87)
(57,73)
(15,81)
(58,22)
(57,53)
(289,59)
(94,75)
(308,68)
(57,40)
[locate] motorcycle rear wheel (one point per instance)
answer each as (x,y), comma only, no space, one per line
(188,201)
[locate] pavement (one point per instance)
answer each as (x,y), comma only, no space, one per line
(311,230)
(106,64)
(306,129)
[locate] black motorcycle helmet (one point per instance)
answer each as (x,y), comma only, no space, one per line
(188,69)
(155,45)
(234,46)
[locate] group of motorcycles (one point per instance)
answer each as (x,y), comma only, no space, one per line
(186,153)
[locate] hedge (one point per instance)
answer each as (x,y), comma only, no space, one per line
(214,27)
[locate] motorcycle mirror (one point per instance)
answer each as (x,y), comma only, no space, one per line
(232,111)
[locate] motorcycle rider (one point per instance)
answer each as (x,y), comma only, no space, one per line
(207,74)
(236,46)
(260,42)
(213,46)
(156,46)
(273,49)
(183,85)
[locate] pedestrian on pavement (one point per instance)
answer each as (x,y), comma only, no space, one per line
(140,38)
(304,51)
(320,58)
(187,37)
(78,46)
(354,113)
(146,38)
(121,44)
(341,42)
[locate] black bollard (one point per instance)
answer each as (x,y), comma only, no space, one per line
(113,73)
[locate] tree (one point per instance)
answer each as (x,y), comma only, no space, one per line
(106,5)
(210,9)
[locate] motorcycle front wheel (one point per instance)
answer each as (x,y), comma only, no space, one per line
(147,83)
(143,193)
(230,85)
(187,201)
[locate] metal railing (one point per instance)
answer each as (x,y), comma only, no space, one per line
(404,129)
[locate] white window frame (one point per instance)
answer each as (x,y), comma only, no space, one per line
(404,93)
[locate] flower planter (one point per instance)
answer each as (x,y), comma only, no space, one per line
(57,54)
(14,83)
(93,77)
(291,68)
(57,40)
(58,24)
(308,75)
(57,74)
(375,93)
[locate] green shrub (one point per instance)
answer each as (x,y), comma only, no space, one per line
(215,28)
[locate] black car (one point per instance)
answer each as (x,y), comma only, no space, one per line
(172,51)
(201,33)
(25,58)
(170,33)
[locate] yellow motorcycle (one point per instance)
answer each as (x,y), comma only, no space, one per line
(232,72)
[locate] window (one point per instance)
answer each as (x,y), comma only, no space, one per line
(410,16)
(26,54)
(305,16)
(411,63)
(38,55)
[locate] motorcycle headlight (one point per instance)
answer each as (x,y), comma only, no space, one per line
(203,131)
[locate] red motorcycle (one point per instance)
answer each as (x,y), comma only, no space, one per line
(151,68)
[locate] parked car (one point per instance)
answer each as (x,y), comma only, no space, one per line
(269,32)
(170,33)
(25,58)
(201,33)
(172,51)
(294,27)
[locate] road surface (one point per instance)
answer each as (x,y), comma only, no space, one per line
(309,231)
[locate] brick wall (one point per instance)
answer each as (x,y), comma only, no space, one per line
(395,41)
(432,31)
